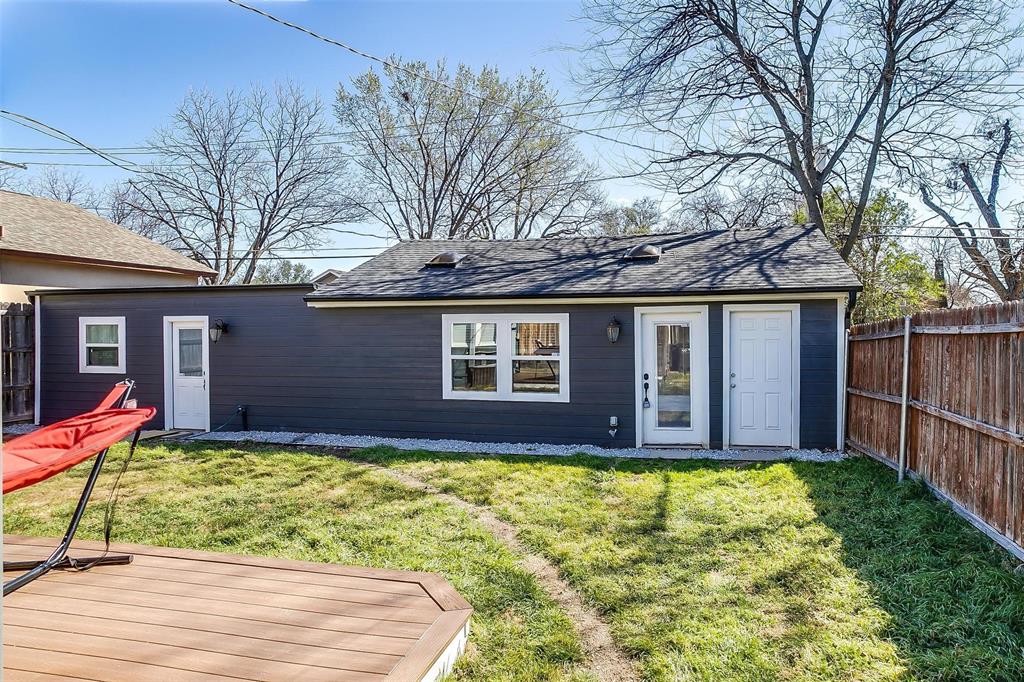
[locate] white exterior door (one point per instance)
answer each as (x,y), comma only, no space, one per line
(189,372)
(760,378)
(673,381)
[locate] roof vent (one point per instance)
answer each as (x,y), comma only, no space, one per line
(445,259)
(643,252)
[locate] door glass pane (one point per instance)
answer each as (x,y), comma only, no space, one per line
(535,338)
(474,375)
(190,352)
(101,333)
(535,376)
(101,356)
(474,338)
(673,355)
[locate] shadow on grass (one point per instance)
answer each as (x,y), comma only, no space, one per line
(956,605)
(652,557)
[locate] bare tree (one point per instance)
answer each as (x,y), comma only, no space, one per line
(240,177)
(643,216)
(953,268)
(464,155)
(828,93)
(994,248)
(9,179)
(756,205)
(120,202)
(62,185)
(282,271)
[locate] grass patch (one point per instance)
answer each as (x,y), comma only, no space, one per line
(787,571)
(296,505)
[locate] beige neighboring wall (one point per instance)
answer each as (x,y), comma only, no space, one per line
(19,274)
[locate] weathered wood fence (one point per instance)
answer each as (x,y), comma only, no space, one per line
(17,331)
(953,413)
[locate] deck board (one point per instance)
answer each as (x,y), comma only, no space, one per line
(178,614)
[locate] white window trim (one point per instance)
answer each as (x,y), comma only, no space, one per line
(505,357)
(84,368)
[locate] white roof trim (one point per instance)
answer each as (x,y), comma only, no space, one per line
(590,300)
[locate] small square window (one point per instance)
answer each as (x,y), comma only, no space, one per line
(101,345)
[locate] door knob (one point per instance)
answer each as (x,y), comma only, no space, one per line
(732,385)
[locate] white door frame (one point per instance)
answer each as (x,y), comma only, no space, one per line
(794,338)
(699,365)
(168,323)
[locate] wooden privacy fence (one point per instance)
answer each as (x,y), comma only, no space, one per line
(17,330)
(953,413)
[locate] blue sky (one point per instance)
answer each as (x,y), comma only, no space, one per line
(109,72)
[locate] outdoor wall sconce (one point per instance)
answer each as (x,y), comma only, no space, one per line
(614,327)
(219,327)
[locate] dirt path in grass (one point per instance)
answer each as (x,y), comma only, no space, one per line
(603,657)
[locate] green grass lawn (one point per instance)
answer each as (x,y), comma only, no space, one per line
(297,505)
(789,571)
(705,571)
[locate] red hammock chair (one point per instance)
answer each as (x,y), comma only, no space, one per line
(37,456)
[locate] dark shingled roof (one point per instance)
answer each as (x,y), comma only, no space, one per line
(50,228)
(786,259)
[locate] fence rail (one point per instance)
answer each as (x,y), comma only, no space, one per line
(17,332)
(959,415)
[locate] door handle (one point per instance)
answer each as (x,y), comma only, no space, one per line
(647,386)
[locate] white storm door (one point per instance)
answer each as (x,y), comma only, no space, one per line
(190,392)
(761,378)
(673,378)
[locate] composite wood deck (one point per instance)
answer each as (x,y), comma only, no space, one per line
(177,614)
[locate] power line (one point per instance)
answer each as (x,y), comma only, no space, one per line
(447,86)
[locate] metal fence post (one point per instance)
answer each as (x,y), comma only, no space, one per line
(904,399)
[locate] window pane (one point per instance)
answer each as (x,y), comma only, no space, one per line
(100,357)
(535,338)
(474,338)
(535,376)
(101,333)
(673,375)
(190,352)
(474,375)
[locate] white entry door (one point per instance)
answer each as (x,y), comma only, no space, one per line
(761,357)
(673,381)
(190,407)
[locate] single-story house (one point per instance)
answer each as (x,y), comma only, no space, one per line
(47,243)
(715,339)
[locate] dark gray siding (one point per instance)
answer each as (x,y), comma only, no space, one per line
(354,371)
(378,371)
(818,374)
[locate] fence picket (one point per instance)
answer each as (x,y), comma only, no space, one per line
(965,427)
(17,331)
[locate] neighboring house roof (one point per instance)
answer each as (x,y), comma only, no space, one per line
(795,258)
(56,229)
(327,277)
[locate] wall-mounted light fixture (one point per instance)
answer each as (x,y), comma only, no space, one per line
(614,328)
(219,327)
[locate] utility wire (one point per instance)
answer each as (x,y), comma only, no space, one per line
(398,67)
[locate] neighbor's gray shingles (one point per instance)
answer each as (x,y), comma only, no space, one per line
(56,228)
(791,258)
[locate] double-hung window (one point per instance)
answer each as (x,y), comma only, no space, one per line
(101,345)
(506,357)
